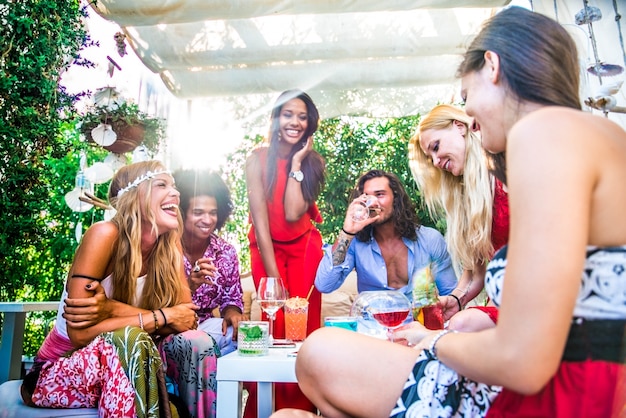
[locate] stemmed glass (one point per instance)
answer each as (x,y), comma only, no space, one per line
(271,296)
(390,308)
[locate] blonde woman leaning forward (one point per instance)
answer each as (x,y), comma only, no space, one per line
(558,348)
(452,172)
(128,314)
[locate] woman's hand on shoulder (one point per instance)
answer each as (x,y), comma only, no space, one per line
(85,312)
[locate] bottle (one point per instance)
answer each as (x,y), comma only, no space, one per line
(426,307)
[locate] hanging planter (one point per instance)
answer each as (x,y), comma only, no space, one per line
(122,128)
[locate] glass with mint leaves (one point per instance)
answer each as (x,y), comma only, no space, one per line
(253,338)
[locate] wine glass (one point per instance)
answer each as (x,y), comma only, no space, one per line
(390,308)
(271,296)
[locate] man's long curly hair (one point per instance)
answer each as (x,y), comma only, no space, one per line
(404,217)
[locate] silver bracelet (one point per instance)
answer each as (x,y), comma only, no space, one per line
(140,320)
(432,349)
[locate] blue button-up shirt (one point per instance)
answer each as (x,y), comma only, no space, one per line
(371,269)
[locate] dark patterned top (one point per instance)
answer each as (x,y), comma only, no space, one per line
(602,293)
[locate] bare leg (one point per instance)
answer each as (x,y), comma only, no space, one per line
(470,320)
(347,374)
(293,413)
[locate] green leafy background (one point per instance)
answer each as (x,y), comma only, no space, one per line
(40,143)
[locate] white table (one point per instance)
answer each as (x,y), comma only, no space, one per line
(233,369)
(13,335)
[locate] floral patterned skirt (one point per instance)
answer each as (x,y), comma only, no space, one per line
(118,372)
(191,361)
(435,390)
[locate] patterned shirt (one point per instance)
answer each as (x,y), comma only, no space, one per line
(226,287)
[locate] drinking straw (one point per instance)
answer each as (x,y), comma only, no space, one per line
(310,291)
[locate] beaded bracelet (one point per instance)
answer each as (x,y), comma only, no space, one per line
(347,233)
(156,321)
(164,318)
(457,301)
(140,320)
(432,349)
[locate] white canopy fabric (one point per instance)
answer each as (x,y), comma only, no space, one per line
(380,57)
(366,57)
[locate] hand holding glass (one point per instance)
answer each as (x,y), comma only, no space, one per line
(271,296)
(362,208)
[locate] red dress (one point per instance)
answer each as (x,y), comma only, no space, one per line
(298,251)
(500,222)
(499,233)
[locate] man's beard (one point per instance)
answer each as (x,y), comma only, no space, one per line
(383,221)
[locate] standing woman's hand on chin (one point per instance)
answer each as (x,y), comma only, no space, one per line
(302,153)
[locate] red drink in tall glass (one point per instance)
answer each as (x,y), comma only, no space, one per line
(430,316)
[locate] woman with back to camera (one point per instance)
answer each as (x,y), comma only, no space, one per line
(127,301)
(558,348)
(284,178)
(451,170)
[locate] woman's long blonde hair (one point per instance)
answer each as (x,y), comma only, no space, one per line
(163,286)
(467,199)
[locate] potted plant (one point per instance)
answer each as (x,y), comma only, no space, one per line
(131,126)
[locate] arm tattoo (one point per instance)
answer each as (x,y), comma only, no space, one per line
(339,253)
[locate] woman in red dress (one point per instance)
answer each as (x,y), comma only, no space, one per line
(284,177)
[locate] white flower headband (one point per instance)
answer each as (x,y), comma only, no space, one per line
(147,176)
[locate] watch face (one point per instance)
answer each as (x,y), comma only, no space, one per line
(298,175)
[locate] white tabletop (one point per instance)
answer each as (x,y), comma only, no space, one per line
(277,366)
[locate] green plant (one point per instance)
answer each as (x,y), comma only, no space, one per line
(39,40)
(236,229)
(124,115)
(352,146)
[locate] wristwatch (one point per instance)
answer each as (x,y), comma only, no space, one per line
(298,175)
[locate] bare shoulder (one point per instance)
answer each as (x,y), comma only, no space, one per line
(561,123)
(253,162)
(102,231)
(562,131)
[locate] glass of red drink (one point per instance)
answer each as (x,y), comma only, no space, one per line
(390,308)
